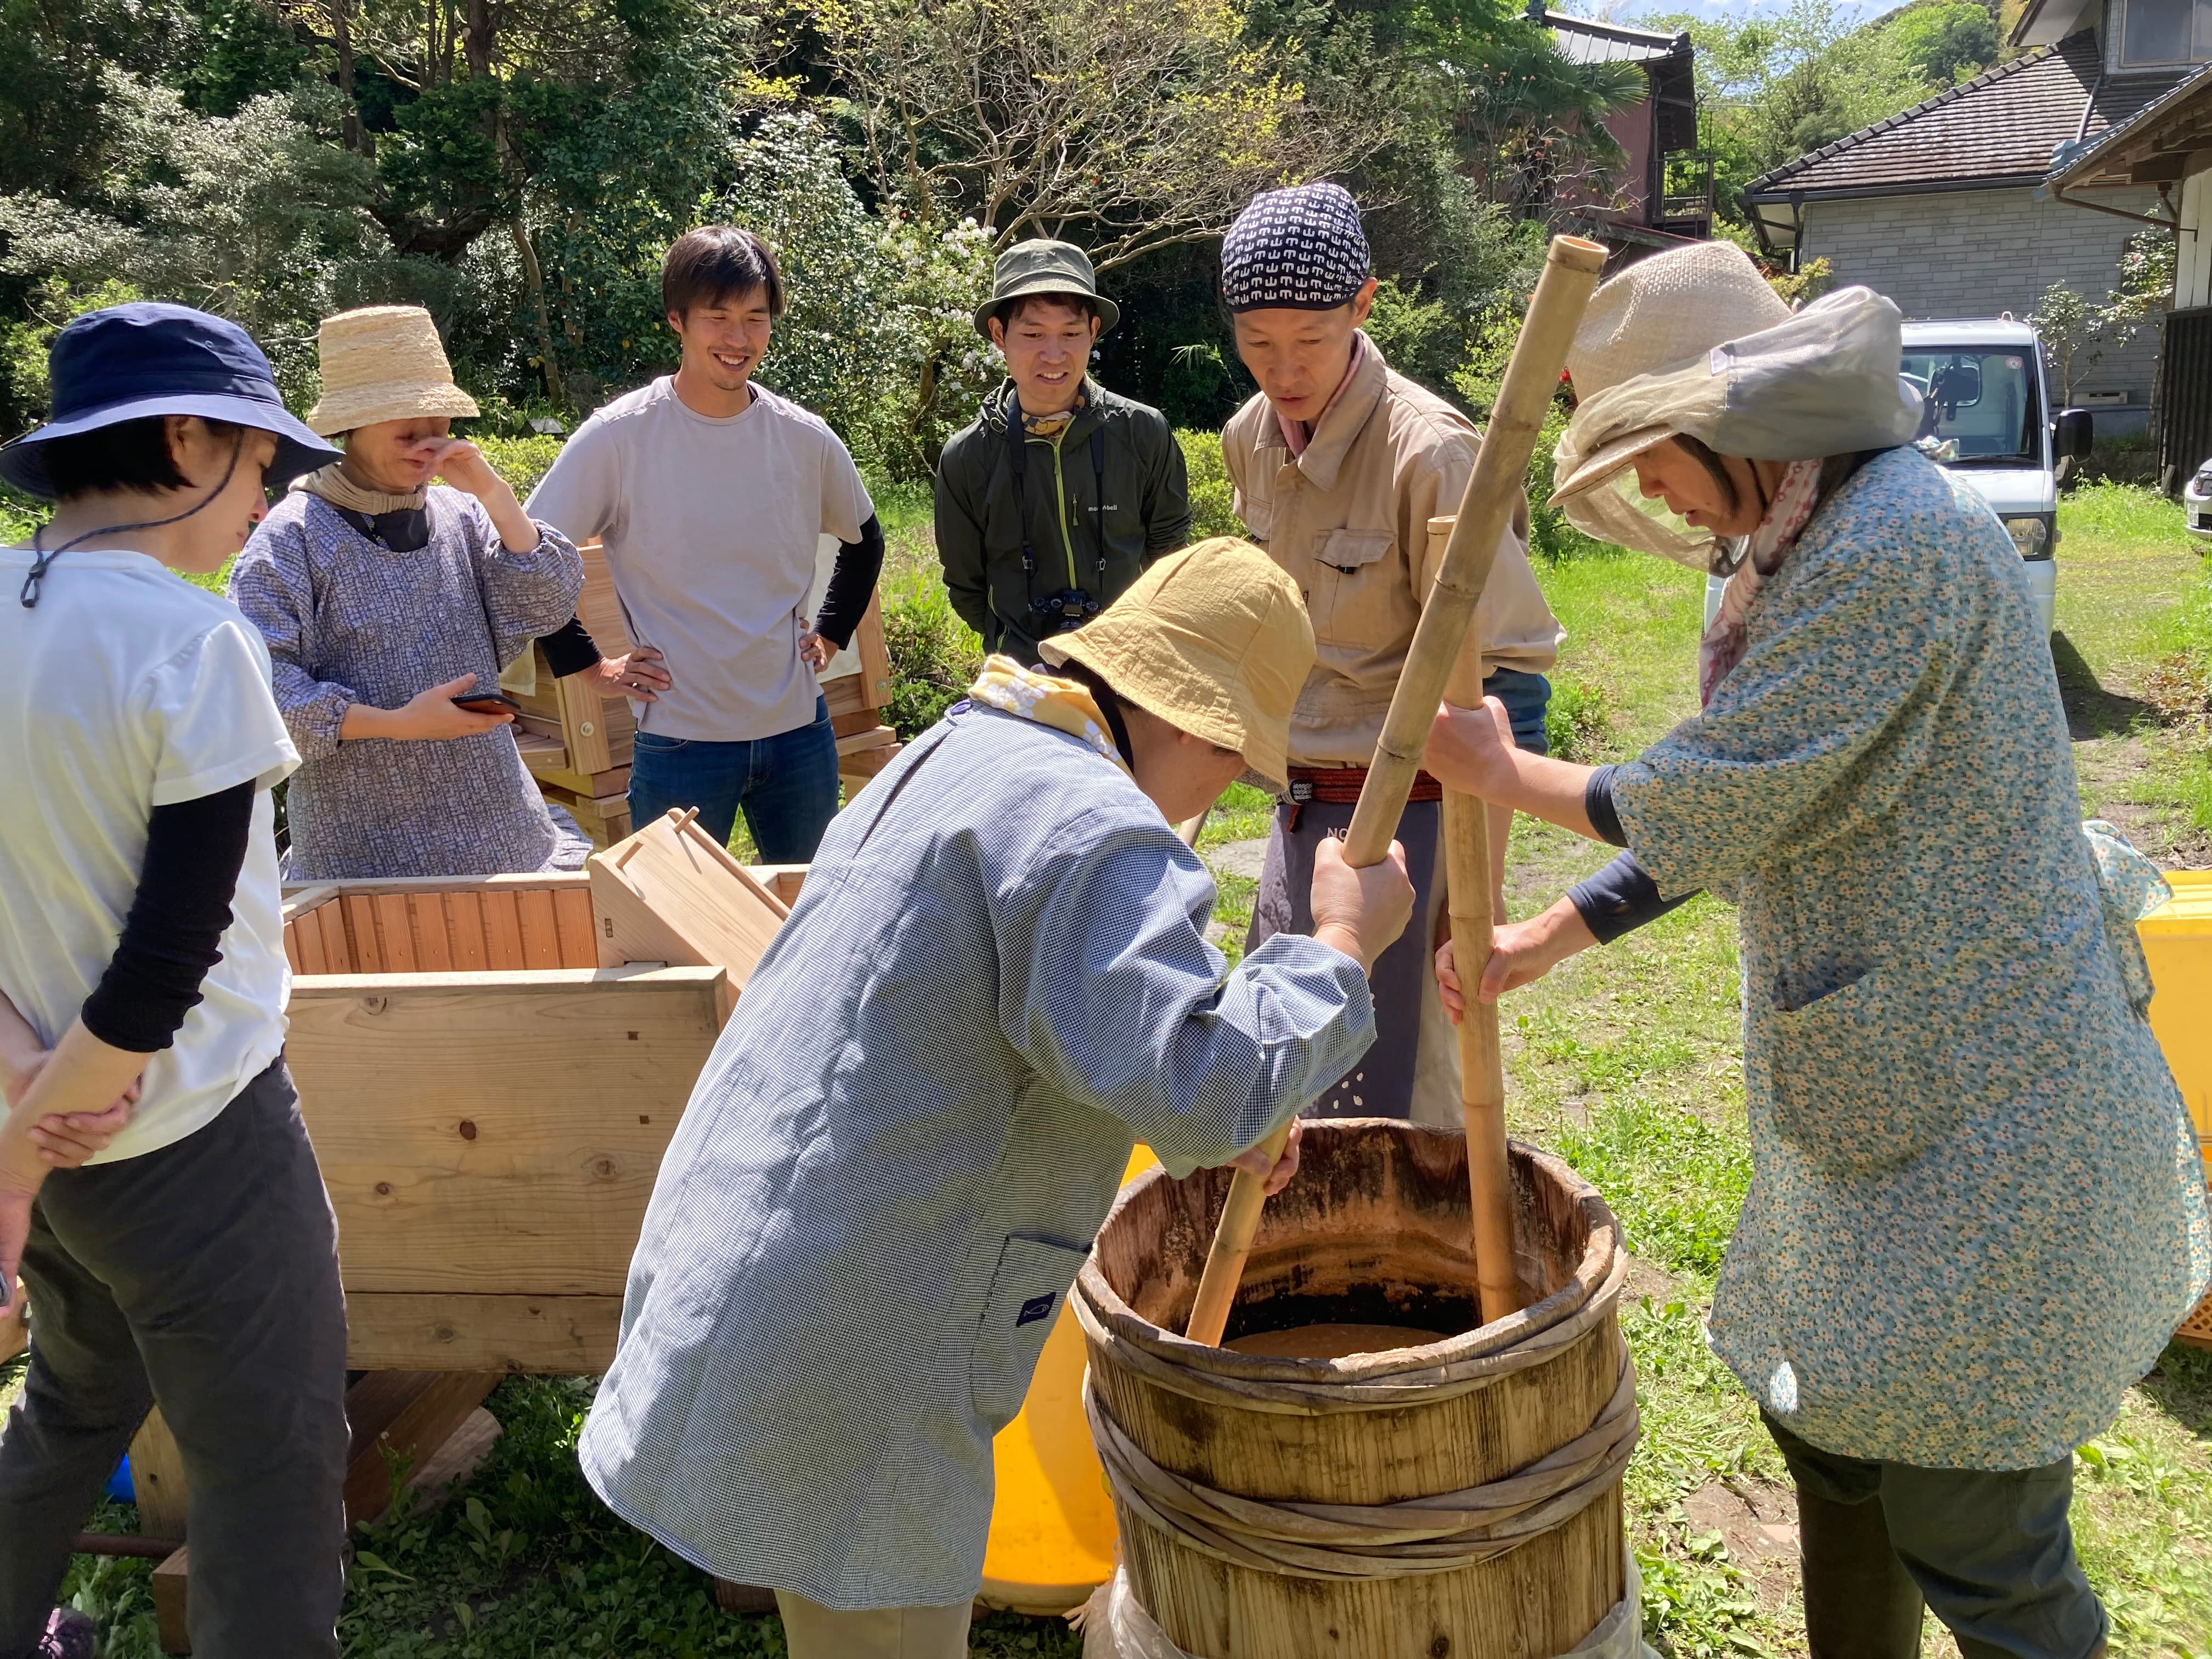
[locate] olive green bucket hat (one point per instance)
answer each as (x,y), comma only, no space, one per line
(1040,266)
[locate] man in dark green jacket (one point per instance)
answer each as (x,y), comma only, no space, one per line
(1054,502)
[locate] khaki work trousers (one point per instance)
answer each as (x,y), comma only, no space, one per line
(812,1631)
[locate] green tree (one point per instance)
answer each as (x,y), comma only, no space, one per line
(1947,43)
(1772,85)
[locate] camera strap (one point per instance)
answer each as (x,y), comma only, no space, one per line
(1018,459)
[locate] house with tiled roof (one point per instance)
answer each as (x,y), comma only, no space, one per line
(1944,208)
(1649,209)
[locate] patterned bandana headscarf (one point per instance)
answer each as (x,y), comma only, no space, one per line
(1722,647)
(1301,249)
(1030,694)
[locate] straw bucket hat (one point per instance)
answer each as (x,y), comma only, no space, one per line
(1662,317)
(383,363)
(1214,640)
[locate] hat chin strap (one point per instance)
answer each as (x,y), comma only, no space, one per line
(44,561)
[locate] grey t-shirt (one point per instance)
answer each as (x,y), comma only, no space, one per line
(710,527)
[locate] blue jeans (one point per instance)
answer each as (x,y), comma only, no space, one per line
(1526,696)
(786,785)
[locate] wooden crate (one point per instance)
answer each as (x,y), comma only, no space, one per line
(490,1075)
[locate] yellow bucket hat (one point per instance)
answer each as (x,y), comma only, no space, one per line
(1214,640)
(383,363)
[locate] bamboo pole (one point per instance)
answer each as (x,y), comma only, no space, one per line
(1570,272)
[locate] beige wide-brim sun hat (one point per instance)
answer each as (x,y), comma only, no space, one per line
(383,363)
(1215,641)
(1661,318)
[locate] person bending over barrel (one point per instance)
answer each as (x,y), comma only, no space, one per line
(995,977)
(1976,1211)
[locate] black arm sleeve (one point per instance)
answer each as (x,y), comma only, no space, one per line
(569,649)
(173,936)
(851,584)
(1597,801)
(1620,898)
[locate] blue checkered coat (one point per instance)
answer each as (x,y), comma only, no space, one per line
(895,1161)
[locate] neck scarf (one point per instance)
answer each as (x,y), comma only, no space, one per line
(401,523)
(1722,647)
(1300,434)
(1030,694)
(1049,427)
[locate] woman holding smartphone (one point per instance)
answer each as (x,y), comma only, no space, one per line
(390,605)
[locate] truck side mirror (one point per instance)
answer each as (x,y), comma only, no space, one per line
(2072,434)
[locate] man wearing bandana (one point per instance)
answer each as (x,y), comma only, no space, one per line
(1339,463)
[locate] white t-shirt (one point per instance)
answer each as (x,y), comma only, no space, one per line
(710,526)
(127,688)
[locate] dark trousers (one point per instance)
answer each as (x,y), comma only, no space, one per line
(203,1276)
(1381,1084)
(1990,1550)
(786,785)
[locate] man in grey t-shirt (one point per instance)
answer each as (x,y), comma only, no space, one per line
(709,494)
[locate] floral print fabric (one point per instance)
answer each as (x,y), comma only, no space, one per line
(1976,1212)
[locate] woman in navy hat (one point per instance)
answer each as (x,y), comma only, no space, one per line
(157,1190)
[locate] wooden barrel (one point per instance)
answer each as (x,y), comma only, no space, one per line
(1373,1232)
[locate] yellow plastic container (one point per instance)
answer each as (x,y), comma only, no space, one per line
(2176,939)
(1052,1527)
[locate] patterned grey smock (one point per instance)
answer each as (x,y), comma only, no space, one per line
(892,1166)
(348,620)
(1976,1212)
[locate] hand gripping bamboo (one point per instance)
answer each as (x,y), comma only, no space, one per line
(1570,272)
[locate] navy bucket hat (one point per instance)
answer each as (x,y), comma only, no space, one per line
(130,362)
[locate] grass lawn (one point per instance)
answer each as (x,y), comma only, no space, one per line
(1627,1062)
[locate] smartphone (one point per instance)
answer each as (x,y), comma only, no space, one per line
(487,702)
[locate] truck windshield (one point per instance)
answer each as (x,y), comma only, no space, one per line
(1983,408)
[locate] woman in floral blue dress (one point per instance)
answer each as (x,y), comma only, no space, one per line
(1976,1212)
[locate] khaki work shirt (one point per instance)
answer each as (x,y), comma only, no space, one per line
(1348,521)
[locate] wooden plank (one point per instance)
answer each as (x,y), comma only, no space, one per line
(583,726)
(846,695)
(669,894)
(502,930)
(394,934)
(541,937)
(454,1464)
(784,880)
(875,655)
(360,911)
(406,1415)
(875,737)
(337,943)
(157,1477)
(426,931)
(852,724)
(171,1583)
(552,880)
(543,1335)
(572,918)
(613,781)
(857,769)
(292,946)
(464,920)
(496,1134)
(300,896)
(598,604)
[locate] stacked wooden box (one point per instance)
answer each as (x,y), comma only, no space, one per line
(491,1069)
(577,741)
